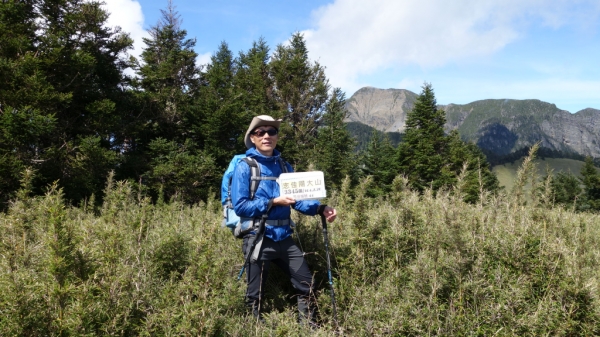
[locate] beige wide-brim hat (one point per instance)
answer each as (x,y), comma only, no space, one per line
(262,120)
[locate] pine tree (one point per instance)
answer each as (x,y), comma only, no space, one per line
(422,152)
(224,116)
(479,175)
(566,189)
(85,63)
(334,145)
(61,73)
(169,89)
(429,157)
(591,181)
(252,81)
(22,126)
(302,91)
(169,77)
(181,171)
(379,161)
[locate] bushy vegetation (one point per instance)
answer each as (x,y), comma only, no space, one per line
(71,110)
(424,244)
(408,264)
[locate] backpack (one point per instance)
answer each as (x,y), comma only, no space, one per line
(230,219)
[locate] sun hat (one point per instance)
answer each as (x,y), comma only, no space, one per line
(262,120)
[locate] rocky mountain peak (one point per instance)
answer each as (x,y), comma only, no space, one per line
(382,109)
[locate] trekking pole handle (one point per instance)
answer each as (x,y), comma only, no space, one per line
(321,212)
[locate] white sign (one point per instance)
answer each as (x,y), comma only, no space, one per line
(302,185)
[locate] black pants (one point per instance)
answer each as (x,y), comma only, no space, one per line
(287,256)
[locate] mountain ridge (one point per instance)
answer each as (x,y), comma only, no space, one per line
(498,126)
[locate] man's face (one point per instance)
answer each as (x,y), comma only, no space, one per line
(265,139)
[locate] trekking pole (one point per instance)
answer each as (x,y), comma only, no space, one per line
(257,238)
(326,240)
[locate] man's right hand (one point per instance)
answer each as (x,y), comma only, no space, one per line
(284,201)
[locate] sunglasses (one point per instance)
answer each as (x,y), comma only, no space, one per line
(261,132)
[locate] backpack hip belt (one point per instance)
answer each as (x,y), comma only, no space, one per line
(256,221)
(285,222)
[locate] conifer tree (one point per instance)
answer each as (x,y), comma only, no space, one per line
(252,81)
(379,161)
(21,125)
(170,83)
(422,152)
(224,115)
(478,175)
(181,171)
(566,189)
(85,63)
(302,91)
(429,157)
(591,181)
(334,144)
(61,66)
(169,77)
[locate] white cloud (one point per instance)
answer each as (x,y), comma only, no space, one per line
(356,37)
(203,59)
(411,83)
(568,94)
(128,15)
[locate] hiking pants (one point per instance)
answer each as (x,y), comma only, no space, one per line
(287,256)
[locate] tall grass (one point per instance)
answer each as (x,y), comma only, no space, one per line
(406,265)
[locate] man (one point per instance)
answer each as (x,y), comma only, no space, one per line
(277,245)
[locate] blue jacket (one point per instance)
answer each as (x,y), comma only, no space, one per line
(267,189)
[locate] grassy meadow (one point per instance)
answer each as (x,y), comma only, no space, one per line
(507,173)
(407,265)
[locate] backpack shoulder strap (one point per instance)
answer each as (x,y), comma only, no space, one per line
(283,165)
(254,175)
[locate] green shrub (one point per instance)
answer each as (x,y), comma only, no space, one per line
(410,264)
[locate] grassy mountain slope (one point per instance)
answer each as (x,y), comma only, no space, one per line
(362,133)
(410,265)
(519,114)
(507,173)
(501,127)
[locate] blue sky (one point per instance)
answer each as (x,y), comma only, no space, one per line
(468,50)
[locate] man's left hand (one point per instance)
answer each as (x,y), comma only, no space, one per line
(329,213)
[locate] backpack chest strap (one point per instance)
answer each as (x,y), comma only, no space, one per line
(263,178)
(285,222)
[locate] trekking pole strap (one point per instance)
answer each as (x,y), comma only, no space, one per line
(321,209)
